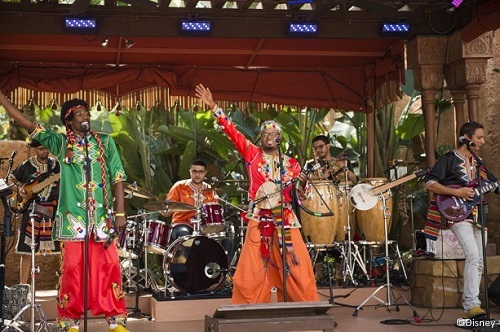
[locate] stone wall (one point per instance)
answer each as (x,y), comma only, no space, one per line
(46,279)
(489,107)
(439,283)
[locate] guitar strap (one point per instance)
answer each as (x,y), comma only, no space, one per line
(435,220)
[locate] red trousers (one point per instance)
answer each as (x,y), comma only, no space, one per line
(253,282)
(104,296)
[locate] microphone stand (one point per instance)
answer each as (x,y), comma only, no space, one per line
(283,221)
(482,222)
(232,169)
(88,175)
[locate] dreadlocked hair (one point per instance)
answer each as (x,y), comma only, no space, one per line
(71,140)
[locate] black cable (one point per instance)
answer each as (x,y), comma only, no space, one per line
(395,321)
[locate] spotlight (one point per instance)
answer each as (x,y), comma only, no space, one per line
(129,43)
(303,29)
(80,25)
(196,27)
(105,42)
(398,29)
(456,3)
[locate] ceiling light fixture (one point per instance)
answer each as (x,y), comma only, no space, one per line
(129,43)
(456,3)
(396,29)
(196,27)
(80,25)
(303,29)
(105,42)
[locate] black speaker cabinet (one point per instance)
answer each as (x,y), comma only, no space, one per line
(494,291)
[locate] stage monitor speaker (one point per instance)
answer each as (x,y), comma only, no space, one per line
(494,291)
(271,317)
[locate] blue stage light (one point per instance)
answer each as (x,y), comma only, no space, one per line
(196,27)
(80,24)
(303,29)
(395,29)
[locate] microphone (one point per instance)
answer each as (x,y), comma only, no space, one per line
(215,179)
(465,141)
(14,152)
(85,126)
(111,236)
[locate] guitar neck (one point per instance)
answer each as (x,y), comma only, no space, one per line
(51,179)
(487,188)
(384,187)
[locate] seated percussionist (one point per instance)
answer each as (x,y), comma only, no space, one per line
(193,191)
(329,168)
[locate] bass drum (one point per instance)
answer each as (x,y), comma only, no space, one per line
(196,264)
(322,199)
(345,213)
(371,222)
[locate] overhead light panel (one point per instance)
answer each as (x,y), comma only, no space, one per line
(80,25)
(196,27)
(397,29)
(303,29)
(456,3)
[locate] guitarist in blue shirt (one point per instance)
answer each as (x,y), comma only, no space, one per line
(38,172)
(453,183)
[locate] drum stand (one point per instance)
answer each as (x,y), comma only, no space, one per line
(34,307)
(350,257)
(387,277)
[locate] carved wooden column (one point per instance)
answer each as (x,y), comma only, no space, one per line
(466,68)
(458,98)
(426,56)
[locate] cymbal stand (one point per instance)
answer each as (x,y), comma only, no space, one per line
(387,284)
(34,306)
(234,260)
(126,264)
(140,246)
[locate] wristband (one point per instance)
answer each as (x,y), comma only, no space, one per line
(121,214)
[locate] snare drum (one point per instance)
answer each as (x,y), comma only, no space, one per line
(196,264)
(128,241)
(157,234)
(212,220)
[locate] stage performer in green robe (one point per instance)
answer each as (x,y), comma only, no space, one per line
(96,208)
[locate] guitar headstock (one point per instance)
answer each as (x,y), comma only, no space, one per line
(422,172)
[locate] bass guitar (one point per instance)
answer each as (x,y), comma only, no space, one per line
(18,203)
(457,208)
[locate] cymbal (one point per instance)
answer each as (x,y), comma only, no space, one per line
(169,205)
(234,181)
(136,191)
(219,190)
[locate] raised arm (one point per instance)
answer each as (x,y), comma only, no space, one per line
(206,96)
(16,114)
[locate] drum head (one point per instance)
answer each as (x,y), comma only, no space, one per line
(196,264)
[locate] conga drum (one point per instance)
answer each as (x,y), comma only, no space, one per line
(371,222)
(345,212)
(321,199)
